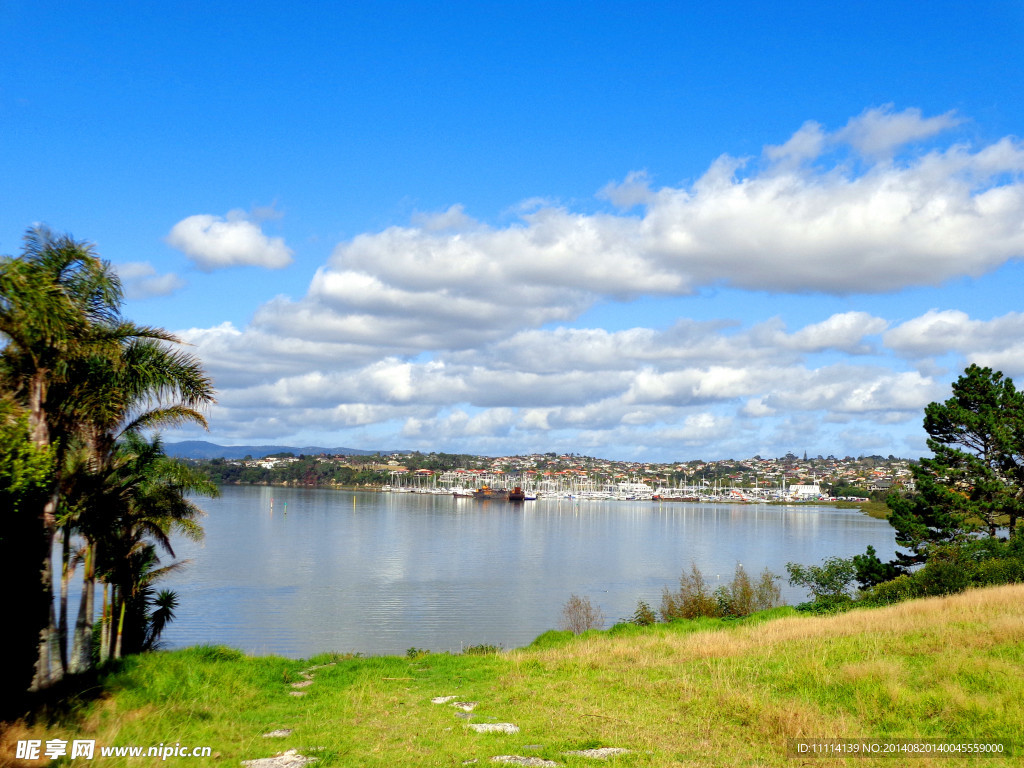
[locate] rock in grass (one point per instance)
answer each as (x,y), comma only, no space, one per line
(519,760)
(280,733)
(289,759)
(442,699)
(601,753)
(494,727)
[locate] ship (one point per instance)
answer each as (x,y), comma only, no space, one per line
(486,492)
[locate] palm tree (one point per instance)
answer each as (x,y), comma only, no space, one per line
(83,376)
(51,299)
(145,502)
(139,385)
(165,602)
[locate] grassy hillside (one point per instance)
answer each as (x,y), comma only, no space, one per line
(687,694)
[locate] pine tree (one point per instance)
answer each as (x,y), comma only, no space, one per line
(974,481)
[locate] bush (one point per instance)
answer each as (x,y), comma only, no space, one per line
(578,615)
(870,570)
(643,616)
(736,599)
(740,597)
(693,599)
(952,569)
(1003,570)
(893,591)
(767,592)
(827,604)
(832,579)
(946,573)
(483,649)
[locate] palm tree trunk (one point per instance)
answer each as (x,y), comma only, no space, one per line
(38,428)
(48,669)
(105,627)
(65,577)
(23,549)
(45,672)
(120,628)
(81,651)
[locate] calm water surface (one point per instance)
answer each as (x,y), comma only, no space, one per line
(380,573)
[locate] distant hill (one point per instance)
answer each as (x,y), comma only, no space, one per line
(200,449)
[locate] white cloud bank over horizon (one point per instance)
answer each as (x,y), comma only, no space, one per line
(451,333)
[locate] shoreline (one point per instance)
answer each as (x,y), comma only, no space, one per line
(875,509)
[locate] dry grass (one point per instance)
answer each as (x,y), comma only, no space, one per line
(936,668)
(10,734)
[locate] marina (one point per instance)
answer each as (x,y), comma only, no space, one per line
(533,486)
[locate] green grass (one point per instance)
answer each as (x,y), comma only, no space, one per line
(711,692)
(877,509)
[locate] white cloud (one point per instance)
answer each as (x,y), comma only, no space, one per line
(807,143)
(540,386)
(798,221)
(755,408)
(633,191)
(141,281)
(997,343)
(843,332)
(877,132)
(865,392)
(215,242)
(445,331)
(454,218)
(934,333)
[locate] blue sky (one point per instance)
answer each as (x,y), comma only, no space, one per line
(647,230)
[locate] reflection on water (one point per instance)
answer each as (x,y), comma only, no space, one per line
(380,573)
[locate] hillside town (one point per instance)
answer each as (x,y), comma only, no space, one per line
(789,477)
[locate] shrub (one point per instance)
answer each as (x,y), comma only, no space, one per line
(693,599)
(827,604)
(1002,570)
(737,598)
(893,591)
(579,615)
(946,573)
(951,569)
(643,616)
(481,650)
(870,570)
(767,593)
(740,597)
(832,579)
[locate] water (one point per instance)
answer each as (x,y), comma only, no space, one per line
(380,573)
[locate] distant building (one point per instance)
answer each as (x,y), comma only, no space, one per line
(806,491)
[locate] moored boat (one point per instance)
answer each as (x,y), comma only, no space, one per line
(486,492)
